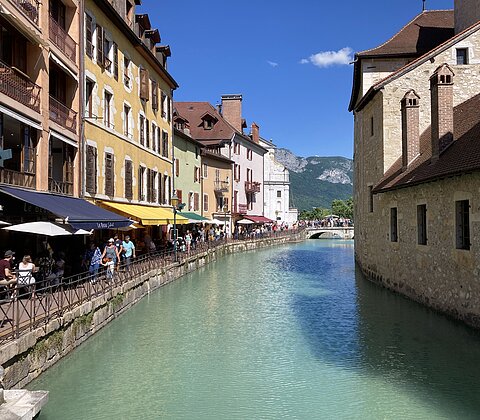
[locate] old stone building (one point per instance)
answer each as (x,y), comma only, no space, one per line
(417,161)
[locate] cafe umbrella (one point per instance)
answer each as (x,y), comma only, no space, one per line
(46,228)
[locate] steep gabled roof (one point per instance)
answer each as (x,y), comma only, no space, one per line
(463,155)
(424,33)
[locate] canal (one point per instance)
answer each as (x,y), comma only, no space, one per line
(289,332)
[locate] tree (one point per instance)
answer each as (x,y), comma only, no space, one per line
(316,214)
(343,208)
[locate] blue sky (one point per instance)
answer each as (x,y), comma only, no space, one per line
(268,50)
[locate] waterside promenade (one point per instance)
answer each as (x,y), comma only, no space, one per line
(37,331)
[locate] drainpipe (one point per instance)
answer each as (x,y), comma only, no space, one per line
(81,82)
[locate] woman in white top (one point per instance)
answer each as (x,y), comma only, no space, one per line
(25,274)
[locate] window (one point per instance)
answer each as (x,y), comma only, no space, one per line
(107,110)
(141,183)
(126,77)
(196,200)
(128,179)
(196,174)
(89,35)
(165,144)
(109,174)
(249,154)
(370,198)
(177,167)
(91,170)
(99,33)
(249,175)
(462,56)
(154,95)
(393,224)
(236,172)
(154,137)
(205,171)
(180,196)
(159,140)
(163,105)
(147,134)
(207,124)
(279,194)
(372,131)
(151,191)
(115,61)
(422,224)
(236,148)
(205,202)
(126,121)
(107,45)
(462,222)
(144,79)
(142,130)
(250,200)
(89,85)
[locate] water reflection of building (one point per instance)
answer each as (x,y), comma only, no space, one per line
(417,160)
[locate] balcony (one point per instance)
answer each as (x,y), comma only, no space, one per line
(60,187)
(252,187)
(16,86)
(30,8)
(18,179)
(221,186)
(63,115)
(62,40)
(242,209)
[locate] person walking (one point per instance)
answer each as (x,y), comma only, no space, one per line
(188,240)
(92,260)
(111,252)
(129,248)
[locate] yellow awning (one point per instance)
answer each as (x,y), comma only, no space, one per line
(146,215)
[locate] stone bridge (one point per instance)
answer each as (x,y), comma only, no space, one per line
(330,232)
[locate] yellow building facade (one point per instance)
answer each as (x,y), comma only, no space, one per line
(128,109)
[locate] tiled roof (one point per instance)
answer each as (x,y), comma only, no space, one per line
(425,32)
(463,155)
(194,111)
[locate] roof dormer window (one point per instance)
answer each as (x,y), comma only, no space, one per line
(208,121)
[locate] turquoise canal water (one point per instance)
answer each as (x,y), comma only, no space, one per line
(291,332)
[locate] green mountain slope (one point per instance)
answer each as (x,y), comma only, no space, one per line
(317,181)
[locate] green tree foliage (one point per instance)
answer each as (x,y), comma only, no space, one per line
(315,214)
(343,208)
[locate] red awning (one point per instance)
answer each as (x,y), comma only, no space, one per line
(258,219)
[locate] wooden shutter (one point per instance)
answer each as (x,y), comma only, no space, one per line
(128,179)
(180,196)
(225,204)
(141,194)
(160,189)
(100,60)
(91,170)
(196,202)
(89,35)
(205,202)
(147,134)
(177,167)
(144,79)
(169,108)
(142,130)
(109,166)
(154,95)
(115,61)
(153,186)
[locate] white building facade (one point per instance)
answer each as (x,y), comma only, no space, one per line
(276,188)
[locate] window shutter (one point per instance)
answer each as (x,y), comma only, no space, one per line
(205,202)
(89,35)
(115,61)
(144,84)
(225,204)
(128,179)
(147,134)
(180,196)
(100,60)
(195,202)
(169,109)
(160,189)
(91,170)
(109,190)
(154,95)
(141,194)
(177,167)
(142,130)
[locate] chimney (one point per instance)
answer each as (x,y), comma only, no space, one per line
(255,133)
(441,87)
(410,128)
(232,110)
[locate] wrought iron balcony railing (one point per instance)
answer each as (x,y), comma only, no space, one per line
(18,87)
(221,186)
(60,187)
(62,40)
(252,187)
(63,115)
(19,179)
(31,8)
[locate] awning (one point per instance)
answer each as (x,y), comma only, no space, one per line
(193,217)
(63,66)
(258,219)
(79,213)
(146,215)
(20,117)
(63,138)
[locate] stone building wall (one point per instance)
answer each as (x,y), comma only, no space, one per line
(436,274)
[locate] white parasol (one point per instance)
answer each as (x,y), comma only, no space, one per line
(46,228)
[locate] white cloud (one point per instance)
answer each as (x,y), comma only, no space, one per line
(272,63)
(330,58)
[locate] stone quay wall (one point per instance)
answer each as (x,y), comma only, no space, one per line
(27,357)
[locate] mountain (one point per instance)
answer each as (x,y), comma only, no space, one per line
(317,181)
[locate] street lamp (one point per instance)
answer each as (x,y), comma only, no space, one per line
(174,201)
